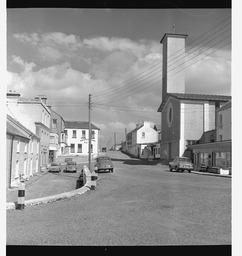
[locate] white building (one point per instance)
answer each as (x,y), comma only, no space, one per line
(78,138)
(35,115)
(224,123)
(141,137)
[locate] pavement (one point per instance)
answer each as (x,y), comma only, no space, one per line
(47,187)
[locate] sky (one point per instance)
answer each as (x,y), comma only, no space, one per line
(116,56)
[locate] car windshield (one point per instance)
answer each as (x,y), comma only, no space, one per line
(54,164)
(184,159)
(103,159)
(71,162)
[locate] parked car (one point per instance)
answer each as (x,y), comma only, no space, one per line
(70,166)
(103,163)
(181,163)
(54,167)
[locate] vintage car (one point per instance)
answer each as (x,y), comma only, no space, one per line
(70,166)
(54,167)
(181,163)
(103,163)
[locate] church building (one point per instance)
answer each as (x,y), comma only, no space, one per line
(184,116)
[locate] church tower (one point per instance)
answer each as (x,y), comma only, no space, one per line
(173,73)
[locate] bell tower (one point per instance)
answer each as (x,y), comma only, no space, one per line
(173,74)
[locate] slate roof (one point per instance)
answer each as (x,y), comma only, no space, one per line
(15,131)
(135,129)
(79,125)
(191,96)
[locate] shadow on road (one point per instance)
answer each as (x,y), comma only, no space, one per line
(135,161)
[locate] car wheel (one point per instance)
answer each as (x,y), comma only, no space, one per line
(189,171)
(177,169)
(170,169)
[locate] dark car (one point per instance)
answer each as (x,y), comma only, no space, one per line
(54,167)
(70,167)
(103,163)
(181,163)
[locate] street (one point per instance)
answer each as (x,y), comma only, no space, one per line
(140,203)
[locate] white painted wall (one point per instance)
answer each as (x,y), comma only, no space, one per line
(80,140)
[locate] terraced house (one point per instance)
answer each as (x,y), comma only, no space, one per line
(22,152)
(34,114)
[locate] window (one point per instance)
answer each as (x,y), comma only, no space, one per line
(220,137)
(72,148)
(54,123)
(18,146)
(16,170)
(79,149)
(91,148)
(169,115)
(25,147)
(65,131)
(143,134)
(83,134)
(220,121)
(25,167)
(93,134)
(37,149)
(73,133)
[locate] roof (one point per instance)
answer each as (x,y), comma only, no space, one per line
(226,106)
(79,125)
(13,130)
(137,128)
(191,96)
(172,35)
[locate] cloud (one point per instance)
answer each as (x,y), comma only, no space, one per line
(26,66)
(27,38)
(210,74)
(113,44)
(51,46)
(49,53)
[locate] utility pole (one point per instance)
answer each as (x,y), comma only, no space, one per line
(115,141)
(125,139)
(90,133)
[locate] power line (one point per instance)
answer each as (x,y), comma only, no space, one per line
(206,49)
(104,92)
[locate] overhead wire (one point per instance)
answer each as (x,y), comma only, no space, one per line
(118,92)
(140,87)
(206,49)
(175,54)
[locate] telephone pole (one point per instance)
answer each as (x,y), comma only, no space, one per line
(90,133)
(115,141)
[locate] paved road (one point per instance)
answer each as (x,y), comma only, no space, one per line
(138,204)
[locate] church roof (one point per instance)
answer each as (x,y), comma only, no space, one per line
(191,96)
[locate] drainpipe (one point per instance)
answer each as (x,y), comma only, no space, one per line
(11,159)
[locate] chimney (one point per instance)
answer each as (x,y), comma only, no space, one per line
(13,96)
(41,98)
(44,100)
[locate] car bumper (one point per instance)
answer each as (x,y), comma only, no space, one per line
(73,170)
(106,169)
(185,168)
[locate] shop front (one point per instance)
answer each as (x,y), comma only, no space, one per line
(212,156)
